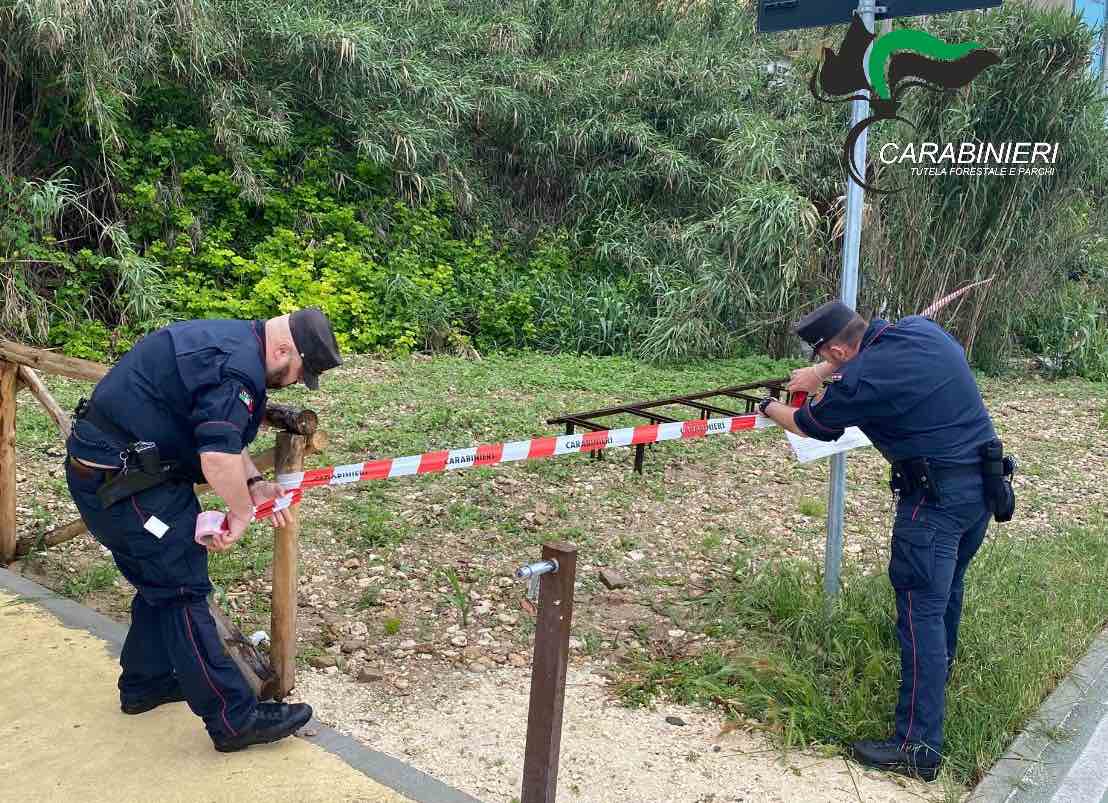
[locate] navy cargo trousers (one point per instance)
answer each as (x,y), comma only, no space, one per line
(172,639)
(932,545)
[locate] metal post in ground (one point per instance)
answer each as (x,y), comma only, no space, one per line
(555,574)
(852,241)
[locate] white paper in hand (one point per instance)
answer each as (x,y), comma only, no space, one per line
(809,449)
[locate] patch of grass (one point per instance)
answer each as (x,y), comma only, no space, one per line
(457,595)
(249,558)
(260,609)
(815,508)
(368,524)
(306,652)
(463,515)
(712,542)
(525,630)
(392,625)
(591,639)
(627,542)
(1031,610)
(94,578)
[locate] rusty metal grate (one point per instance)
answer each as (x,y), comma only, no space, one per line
(749,394)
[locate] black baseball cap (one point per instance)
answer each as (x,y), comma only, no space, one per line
(315,340)
(823,323)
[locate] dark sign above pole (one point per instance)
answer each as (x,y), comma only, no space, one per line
(787,15)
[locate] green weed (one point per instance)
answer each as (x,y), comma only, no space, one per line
(95,578)
(1031,610)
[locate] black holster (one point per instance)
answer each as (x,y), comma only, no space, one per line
(997,471)
(142,464)
(911,475)
(126,484)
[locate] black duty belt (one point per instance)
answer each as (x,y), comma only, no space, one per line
(995,468)
(142,465)
(88,471)
(920,474)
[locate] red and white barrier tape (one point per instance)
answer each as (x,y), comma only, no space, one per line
(492,454)
(942,302)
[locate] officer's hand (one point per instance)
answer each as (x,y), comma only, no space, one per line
(226,539)
(263,492)
(809,380)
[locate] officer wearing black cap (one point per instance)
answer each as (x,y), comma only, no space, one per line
(909,388)
(181,407)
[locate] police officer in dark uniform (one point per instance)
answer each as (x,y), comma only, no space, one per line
(181,407)
(909,388)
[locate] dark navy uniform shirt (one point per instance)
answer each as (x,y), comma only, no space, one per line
(911,391)
(192,387)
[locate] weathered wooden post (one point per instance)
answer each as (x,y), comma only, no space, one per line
(289,458)
(556,574)
(8,373)
(30,380)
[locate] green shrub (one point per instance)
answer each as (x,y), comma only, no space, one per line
(257,151)
(1069,331)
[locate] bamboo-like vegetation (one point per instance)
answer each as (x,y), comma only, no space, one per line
(668,139)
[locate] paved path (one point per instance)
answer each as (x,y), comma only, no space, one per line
(63,737)
(1062,756)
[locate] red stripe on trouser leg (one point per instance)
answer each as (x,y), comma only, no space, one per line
(915,675)
(488,454)
(541,447)
(204,671)
(432,462)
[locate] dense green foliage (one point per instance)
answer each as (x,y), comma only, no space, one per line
(612,177)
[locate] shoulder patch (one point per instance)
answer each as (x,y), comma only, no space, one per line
(247,399)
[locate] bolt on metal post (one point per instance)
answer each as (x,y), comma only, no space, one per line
(532,572)
(552,579)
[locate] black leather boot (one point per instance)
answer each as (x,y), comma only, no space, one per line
(272,721)
(171,695)
(892,755)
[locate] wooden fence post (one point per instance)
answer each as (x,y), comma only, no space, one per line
(8,373)
(289,458)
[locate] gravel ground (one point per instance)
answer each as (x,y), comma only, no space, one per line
(376,604)
(469,731)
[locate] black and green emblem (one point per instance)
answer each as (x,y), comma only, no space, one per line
(888,66)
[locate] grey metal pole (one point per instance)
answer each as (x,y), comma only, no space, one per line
(852,241)
(1104,51)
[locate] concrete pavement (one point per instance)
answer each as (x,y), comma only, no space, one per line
(1062,754)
